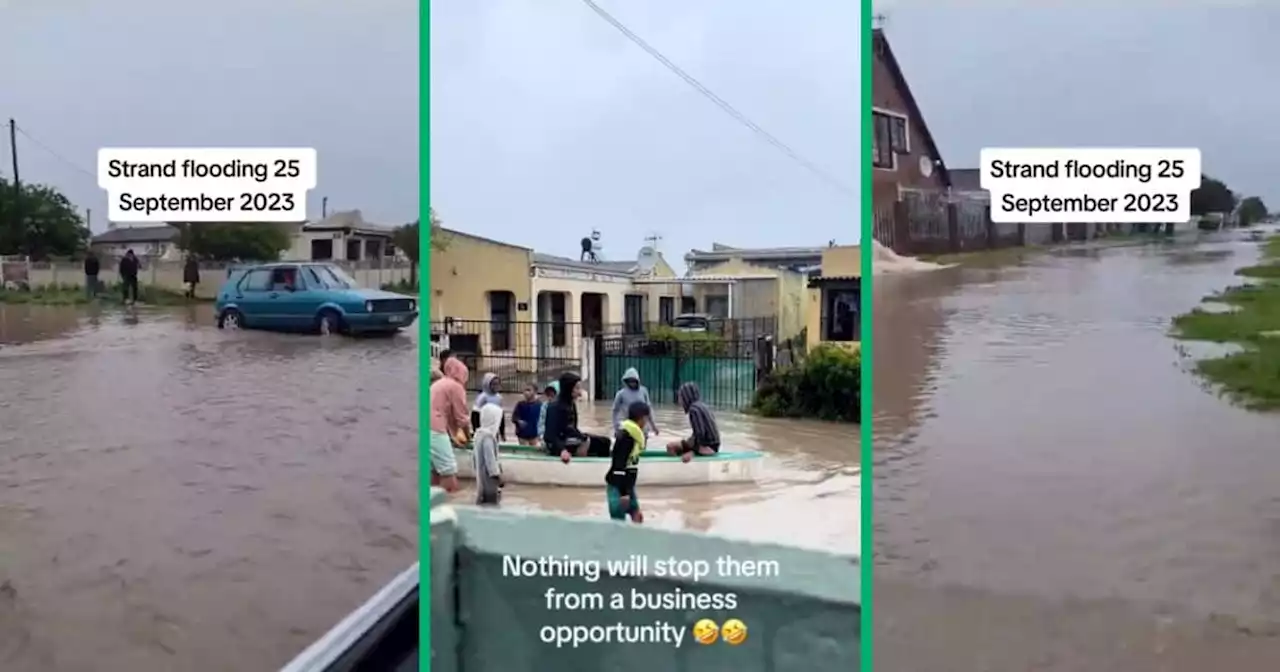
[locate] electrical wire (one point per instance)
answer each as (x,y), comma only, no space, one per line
(720,102)
(54,153)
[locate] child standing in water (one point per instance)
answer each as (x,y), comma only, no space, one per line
(704,437)
(628,446)
(485,457)
(526,415)
(631,392)
(489,394)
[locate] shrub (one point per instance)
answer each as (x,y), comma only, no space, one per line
(689,343)
(827,385)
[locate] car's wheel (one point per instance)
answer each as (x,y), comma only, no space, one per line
(230,319)
(328,322)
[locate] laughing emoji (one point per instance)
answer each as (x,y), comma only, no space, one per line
(734,631)
(706,631)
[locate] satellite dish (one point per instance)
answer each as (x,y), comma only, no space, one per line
(926,166)
(646,260)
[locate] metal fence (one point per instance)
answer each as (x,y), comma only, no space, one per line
(519,353)
(725,370)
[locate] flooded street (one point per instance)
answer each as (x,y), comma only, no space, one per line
(1054,489)
(808,494)
(173,497)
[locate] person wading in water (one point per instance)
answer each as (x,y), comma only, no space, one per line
(129,277)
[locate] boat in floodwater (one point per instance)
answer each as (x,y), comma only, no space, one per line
(530,465)
(381,634)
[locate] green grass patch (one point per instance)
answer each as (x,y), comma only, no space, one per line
(1252,376)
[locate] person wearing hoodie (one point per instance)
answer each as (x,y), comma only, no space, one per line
(486,459)
(562,436)
(704,437)
(631,392)
(450,423)
(489,394)
(549,394)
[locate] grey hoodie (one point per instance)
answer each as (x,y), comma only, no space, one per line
(627,396)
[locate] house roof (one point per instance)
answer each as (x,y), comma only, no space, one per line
(136,234)
(722,252)
(881,43)
(966,179)
(454,232)
(348,220)
(613,267)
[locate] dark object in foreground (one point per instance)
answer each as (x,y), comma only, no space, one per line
(379,636)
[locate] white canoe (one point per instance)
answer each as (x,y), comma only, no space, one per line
(532,466)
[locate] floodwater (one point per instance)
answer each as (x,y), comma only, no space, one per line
(808,496)
(174,497)
(1054,489)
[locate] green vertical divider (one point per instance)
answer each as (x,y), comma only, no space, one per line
(424,334)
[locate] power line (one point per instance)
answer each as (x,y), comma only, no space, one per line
(54,153)
(720,102)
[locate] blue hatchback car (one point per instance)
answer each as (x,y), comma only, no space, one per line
(306,296)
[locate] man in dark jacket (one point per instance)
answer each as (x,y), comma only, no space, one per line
(561,435)
(129,276)
(91,268)
(191,276)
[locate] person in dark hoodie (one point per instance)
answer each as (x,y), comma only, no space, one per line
(91,268)
(628,447)
(704,439)
(561,436)
(129,276)
(191,275)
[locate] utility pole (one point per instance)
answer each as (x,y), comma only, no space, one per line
(324,207)
(88,220)
(17,181)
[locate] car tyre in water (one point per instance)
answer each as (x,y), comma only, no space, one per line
(230,319)
(328,322)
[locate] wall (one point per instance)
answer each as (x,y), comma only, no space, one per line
(842,260)
(162,250)
(482,621)
(168,274)
(469,268)
(886,94)
(781,297)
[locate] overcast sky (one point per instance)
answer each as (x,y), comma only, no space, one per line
(338,75)
(547,122)
(1153,74)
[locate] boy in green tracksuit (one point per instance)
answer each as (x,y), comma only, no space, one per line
(628,446)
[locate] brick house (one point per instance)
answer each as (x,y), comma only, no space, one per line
(904,155)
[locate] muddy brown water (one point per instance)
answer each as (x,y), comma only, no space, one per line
(1053,488)
(174,497)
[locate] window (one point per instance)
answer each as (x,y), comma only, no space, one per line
(666,309)
(353,250)
(321,249)
(718,305)
(688,304)
(501,308)
(841,315)
(633,314)
(558,337)
(257,280)
(882,142)
(282,277)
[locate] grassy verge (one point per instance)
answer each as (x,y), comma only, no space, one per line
(74,295)
(1251,376)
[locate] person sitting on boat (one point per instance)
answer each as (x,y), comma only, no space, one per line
(526,415)
(489,394)
(628,445)
(631,392)
(450,423)
(704,439)
(549,394)
(561,436)
(485,457)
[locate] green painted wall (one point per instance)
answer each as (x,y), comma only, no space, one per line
(481,621)
(724,382)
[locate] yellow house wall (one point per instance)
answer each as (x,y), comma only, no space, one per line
(465,272)
(844,260)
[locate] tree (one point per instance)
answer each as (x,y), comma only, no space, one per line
(408,238)
(1212,196)
(1252,211)
(225,241)
(40,223)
